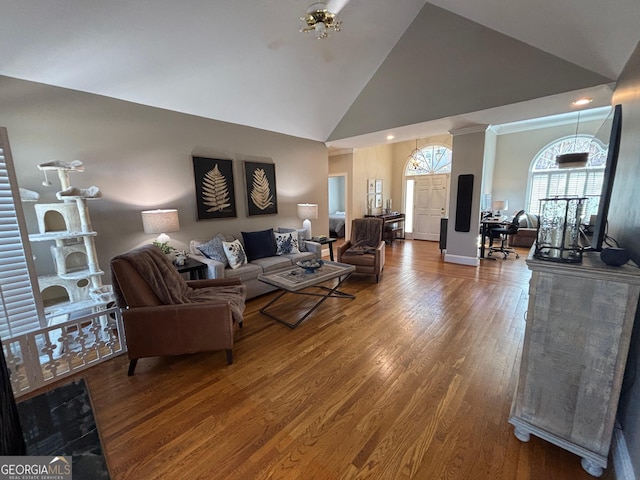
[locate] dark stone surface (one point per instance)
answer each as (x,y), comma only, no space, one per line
(61,422)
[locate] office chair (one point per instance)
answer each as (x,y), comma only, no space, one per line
(503,233)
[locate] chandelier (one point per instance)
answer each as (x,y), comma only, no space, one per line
(417,159)
(573,159)
(319,20)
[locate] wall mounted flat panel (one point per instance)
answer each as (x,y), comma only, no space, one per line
(465,200)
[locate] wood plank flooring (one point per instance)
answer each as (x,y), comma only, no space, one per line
(411,380)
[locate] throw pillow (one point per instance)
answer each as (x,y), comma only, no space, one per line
(259,244)
(214,250)
(234,253)
(301,234)
(287,243)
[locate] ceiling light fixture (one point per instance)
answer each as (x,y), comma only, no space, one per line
(582,101)
(319,20)
(574,159)
(390,137)
(417,158)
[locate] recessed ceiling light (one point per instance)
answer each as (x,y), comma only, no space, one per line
(582,101)
(390,137)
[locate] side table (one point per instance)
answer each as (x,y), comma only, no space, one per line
(327,241)
(196,270)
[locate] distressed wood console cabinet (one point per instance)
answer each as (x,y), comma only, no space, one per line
(576,341)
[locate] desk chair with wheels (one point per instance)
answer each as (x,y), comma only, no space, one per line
(502,233)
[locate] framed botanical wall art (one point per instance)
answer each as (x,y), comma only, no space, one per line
(260,179)
(215,195)
(378,185)
(371,185)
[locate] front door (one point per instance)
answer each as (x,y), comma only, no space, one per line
(430,205)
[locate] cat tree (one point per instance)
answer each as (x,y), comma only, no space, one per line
(77,282)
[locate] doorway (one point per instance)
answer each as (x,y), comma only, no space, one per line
(337,196)
(430,204)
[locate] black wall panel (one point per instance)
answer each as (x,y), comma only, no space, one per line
(465,199)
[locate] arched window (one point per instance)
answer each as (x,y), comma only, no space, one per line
(547,180)
(430,159)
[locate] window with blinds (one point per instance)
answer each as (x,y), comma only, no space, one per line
(547,180)
(18,314)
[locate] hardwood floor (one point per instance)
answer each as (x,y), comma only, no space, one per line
(412,379)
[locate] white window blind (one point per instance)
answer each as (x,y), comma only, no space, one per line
(593,185)
(539,189)
(547,180)
(575,185)
(18,314)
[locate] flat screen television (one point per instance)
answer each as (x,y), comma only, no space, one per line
(612,128)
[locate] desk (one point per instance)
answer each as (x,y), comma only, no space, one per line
(196,270)
(487,224)
(393,226)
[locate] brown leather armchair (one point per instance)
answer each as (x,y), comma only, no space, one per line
(365,248)
(165,315)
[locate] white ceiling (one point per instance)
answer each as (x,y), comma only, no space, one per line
(244,61)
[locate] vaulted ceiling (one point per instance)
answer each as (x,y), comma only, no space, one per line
(406,64)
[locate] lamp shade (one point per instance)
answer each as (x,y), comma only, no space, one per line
(307,211)
(500,205)
(160,221)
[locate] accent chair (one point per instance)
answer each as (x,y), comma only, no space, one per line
(365,248)
(164,314)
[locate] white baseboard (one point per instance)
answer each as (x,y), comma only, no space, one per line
(471,261)
(620,454)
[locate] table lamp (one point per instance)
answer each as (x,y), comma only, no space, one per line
(307,211)
(498,205)
(161,221)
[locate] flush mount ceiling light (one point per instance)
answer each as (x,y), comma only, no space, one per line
(582,101)
(319,20)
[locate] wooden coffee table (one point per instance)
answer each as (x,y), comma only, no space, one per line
(296,280)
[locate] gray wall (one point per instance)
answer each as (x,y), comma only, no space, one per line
(624,226)
(140,157)
(514,153)
(431,74)
(468,152)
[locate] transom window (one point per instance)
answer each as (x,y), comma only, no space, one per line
(547,180)
(428,160)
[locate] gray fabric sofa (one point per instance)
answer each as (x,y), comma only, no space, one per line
(527,232)
(249,272)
